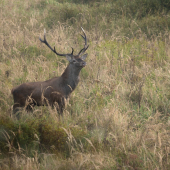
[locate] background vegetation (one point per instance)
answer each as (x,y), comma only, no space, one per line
(118,117)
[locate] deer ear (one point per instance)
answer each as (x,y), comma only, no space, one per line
(69,58)
(83,57)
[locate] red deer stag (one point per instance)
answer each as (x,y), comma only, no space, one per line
(55,90)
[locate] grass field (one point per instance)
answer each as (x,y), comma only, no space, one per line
(119,115)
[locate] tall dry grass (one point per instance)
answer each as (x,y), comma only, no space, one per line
(117,118)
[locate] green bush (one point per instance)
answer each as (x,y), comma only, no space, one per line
(33,133)
(112,16)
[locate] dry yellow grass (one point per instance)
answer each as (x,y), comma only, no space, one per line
(121,102)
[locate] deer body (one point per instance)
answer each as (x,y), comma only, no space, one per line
(54,90)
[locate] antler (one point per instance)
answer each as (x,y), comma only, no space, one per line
(85,45)
(45,42)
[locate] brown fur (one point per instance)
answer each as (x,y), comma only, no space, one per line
(52,91)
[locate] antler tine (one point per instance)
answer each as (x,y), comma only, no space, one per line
(85,46)
(72,50)
(54,50)
(84,37)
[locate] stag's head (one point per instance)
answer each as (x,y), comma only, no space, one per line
(74,60)
(77,60)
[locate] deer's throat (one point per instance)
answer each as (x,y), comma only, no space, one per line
(70,78)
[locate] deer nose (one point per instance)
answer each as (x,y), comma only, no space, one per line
(84,64)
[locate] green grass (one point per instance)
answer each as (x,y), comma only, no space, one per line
(119,18)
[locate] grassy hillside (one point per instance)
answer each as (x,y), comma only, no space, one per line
(118,116)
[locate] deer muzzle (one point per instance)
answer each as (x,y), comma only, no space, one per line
(83,64)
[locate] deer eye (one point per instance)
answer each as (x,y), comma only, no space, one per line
(74,61)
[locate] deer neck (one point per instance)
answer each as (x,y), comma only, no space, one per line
(70,78)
